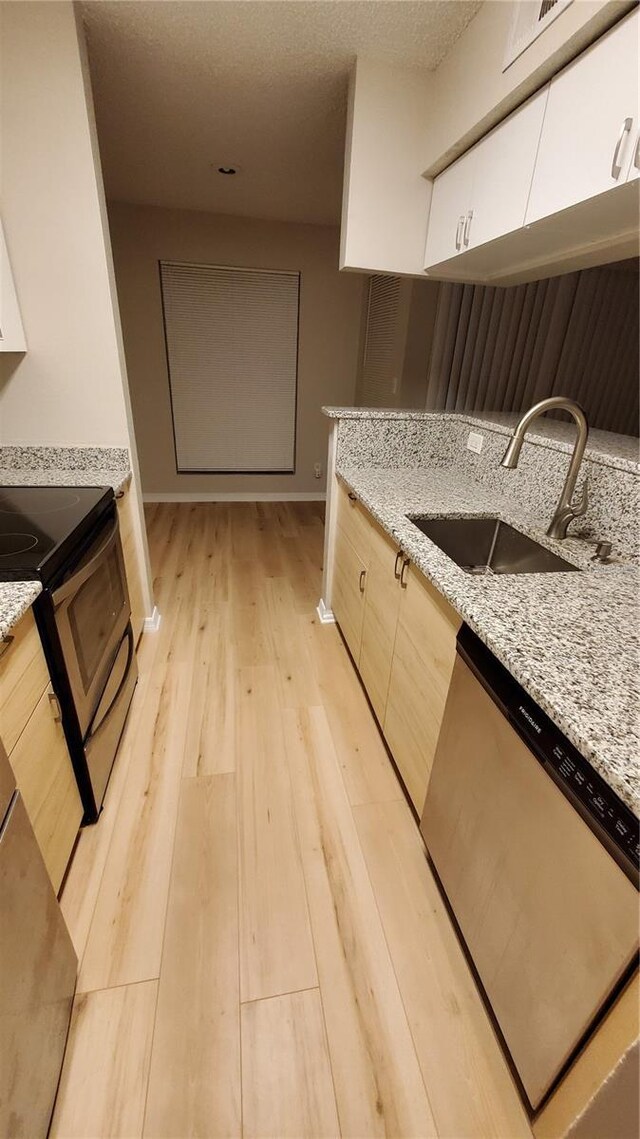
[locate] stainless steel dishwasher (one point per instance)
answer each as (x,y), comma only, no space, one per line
(538,859)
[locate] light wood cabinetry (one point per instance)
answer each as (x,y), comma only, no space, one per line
(34,740)
(131,561)
(589,138)
(423,657)
(402,636)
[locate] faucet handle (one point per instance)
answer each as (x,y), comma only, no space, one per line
(579,507)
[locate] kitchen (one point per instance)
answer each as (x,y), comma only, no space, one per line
(239,708)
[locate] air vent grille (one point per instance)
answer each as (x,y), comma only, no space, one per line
(529,20)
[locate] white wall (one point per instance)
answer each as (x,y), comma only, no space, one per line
(70,387)
(329,334)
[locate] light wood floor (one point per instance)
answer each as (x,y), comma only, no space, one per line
(263,948)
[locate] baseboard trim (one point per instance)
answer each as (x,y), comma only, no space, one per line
(325,615)
(152,624)
(231,496)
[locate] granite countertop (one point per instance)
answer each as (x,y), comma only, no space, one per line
(54,466)
(570,639)
(65,466)
(15,598)
(619,451)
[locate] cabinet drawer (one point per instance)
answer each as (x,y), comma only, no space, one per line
(423,657)
(131,562)
(23,679)
(355,522)
(45,778)
(348,592)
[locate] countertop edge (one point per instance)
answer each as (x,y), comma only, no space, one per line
(16,598)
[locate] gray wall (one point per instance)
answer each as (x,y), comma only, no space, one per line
(329,337)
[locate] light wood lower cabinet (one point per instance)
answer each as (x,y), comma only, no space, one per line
(34,740)
(348,592)
(402,636)
(423,656)
(131,562)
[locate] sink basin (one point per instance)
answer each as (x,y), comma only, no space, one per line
(483,545)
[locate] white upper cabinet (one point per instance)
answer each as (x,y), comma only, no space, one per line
(450,206)
(12,337)
(484,194)
(589,137)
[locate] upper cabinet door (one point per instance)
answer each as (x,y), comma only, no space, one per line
(505,160)
(591,124)
(11,330)
(450,206)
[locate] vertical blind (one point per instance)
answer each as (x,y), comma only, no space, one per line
(232,354)
(503,349)
(381,340)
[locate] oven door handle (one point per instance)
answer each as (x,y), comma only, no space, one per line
(93,726)
(78,579)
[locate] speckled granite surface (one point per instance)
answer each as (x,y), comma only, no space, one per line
(65,466)
(15,598)
(570,639)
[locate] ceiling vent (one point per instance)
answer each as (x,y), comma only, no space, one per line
(529,20)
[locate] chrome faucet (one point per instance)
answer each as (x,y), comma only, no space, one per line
(566,510)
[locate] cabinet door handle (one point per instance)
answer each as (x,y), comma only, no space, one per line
(363,574)
(467,228)
(352,497)
(616,166)
(405,565)
(459,231)
(54,704)
(636,157)
(397,568)
(5,642)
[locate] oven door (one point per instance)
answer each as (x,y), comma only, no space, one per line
(91,610)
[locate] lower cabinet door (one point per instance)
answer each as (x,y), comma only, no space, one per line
(423,657)
(348,592)
(45,778)
(131,562)
(380,619)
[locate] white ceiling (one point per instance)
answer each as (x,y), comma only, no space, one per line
(182,86)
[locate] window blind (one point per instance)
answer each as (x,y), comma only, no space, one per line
(381,340)
(232,354)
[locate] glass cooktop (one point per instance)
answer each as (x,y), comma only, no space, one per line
(39,525)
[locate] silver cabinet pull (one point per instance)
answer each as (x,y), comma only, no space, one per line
(397,570)
(636,157)
(351,496)
(405,565)
(5,642)
(54,704)
(363,575)
(459,231)
(616,165)
(467,228)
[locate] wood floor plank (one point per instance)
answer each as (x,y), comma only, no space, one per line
(379,1086)
(125,939)
(468,1082)
(292,659)
(367,772)
(80,892)
(104,1077)
(276,949)
(194,1084)
(210,745)
(287,1086)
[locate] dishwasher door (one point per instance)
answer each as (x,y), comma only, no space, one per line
(548,917)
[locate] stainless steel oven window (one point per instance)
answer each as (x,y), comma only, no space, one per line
(92,613)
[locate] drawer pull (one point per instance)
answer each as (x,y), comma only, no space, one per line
(616,165)
(363,574)
(352,497)
(119,494)
(54,704)
(403,581)
(4,644)
(397,569)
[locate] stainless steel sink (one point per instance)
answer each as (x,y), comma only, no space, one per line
(484,545)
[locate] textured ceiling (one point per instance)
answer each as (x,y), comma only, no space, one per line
(181,87)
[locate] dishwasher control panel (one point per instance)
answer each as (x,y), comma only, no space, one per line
(602,803)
